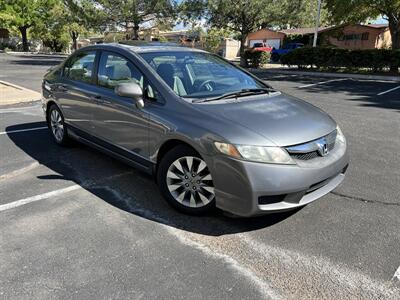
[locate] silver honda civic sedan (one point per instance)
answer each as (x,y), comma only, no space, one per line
(212,134)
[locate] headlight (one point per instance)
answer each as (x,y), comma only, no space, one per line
(274,155)
(340,136)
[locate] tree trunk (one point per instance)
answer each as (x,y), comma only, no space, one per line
(394,27)
(23,30)
(243,61)
(135,31)
(74,36)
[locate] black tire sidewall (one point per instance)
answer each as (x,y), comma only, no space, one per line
(65,139)
(167,160)
(275,57)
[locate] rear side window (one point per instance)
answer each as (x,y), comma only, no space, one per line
(80,67)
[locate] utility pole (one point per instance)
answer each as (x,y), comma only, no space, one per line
(317,24)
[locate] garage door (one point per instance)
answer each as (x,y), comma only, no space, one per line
(275,43)
(252,42)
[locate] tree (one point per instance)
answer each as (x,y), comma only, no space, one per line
(298,14)
(246,16)
(242,16)
(214,37)
(52,31)
(345,11)
(133,14)
(79,16)
(24,14)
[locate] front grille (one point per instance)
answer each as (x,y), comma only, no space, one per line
(308,151)
(305,156)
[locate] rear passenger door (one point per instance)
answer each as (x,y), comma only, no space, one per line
(116,119)
(74,91)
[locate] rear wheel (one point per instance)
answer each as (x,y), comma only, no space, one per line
(57,126)
(185,181)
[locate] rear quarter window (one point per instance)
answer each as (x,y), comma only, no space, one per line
(80,67)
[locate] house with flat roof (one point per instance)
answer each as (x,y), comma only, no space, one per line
(359,36)
(370,36)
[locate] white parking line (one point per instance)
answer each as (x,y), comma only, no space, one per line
(61,191)
(321,82)
(28,110)
(23,130)
(388,91)
(38,197)
(397,274)
(282,76)
(21,171)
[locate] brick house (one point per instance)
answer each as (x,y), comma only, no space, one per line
(370,36)
(265,35)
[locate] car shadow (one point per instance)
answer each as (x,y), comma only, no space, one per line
(122,186)
(364,92)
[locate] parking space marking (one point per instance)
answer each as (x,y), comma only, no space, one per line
(27,110)
(19,171)
(38,197)
(397,274)
(23,130)
(388,91)
(321,82)
(283,76)
(74,187)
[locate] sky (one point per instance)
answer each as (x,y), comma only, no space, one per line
(380,21)
(180,26)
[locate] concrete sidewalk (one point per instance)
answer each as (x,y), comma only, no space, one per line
(13,94)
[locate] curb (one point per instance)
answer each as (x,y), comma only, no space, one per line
(55,54)
(323,74)
(13,85)
(27,95)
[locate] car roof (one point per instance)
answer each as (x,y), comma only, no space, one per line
(143,47)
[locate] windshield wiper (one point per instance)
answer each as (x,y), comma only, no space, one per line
(241,93)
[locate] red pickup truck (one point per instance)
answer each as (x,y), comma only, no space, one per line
(262,47)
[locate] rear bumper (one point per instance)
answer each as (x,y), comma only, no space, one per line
(247,189)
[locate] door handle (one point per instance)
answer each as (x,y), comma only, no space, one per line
(62,88)
(96,98)
(99,99)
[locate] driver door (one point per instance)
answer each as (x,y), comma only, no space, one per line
(117,120)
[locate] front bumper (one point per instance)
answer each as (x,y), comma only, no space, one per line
(247,188)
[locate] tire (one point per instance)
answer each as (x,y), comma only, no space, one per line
(185,181)
(57,126)
(275,57)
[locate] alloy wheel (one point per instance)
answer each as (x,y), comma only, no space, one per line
(57,125)
(190,183)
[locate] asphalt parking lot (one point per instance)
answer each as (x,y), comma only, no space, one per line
(78,224)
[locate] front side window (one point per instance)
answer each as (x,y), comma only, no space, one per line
(80,67)
(115,69)
(199,75)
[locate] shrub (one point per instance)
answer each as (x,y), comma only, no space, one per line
(333,58)
(255,59)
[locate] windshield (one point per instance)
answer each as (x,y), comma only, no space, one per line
(199,75)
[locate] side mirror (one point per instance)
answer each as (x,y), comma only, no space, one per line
(131,90)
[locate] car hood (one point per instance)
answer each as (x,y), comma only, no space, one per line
(282,119)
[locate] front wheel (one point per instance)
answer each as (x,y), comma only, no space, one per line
(186,182)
